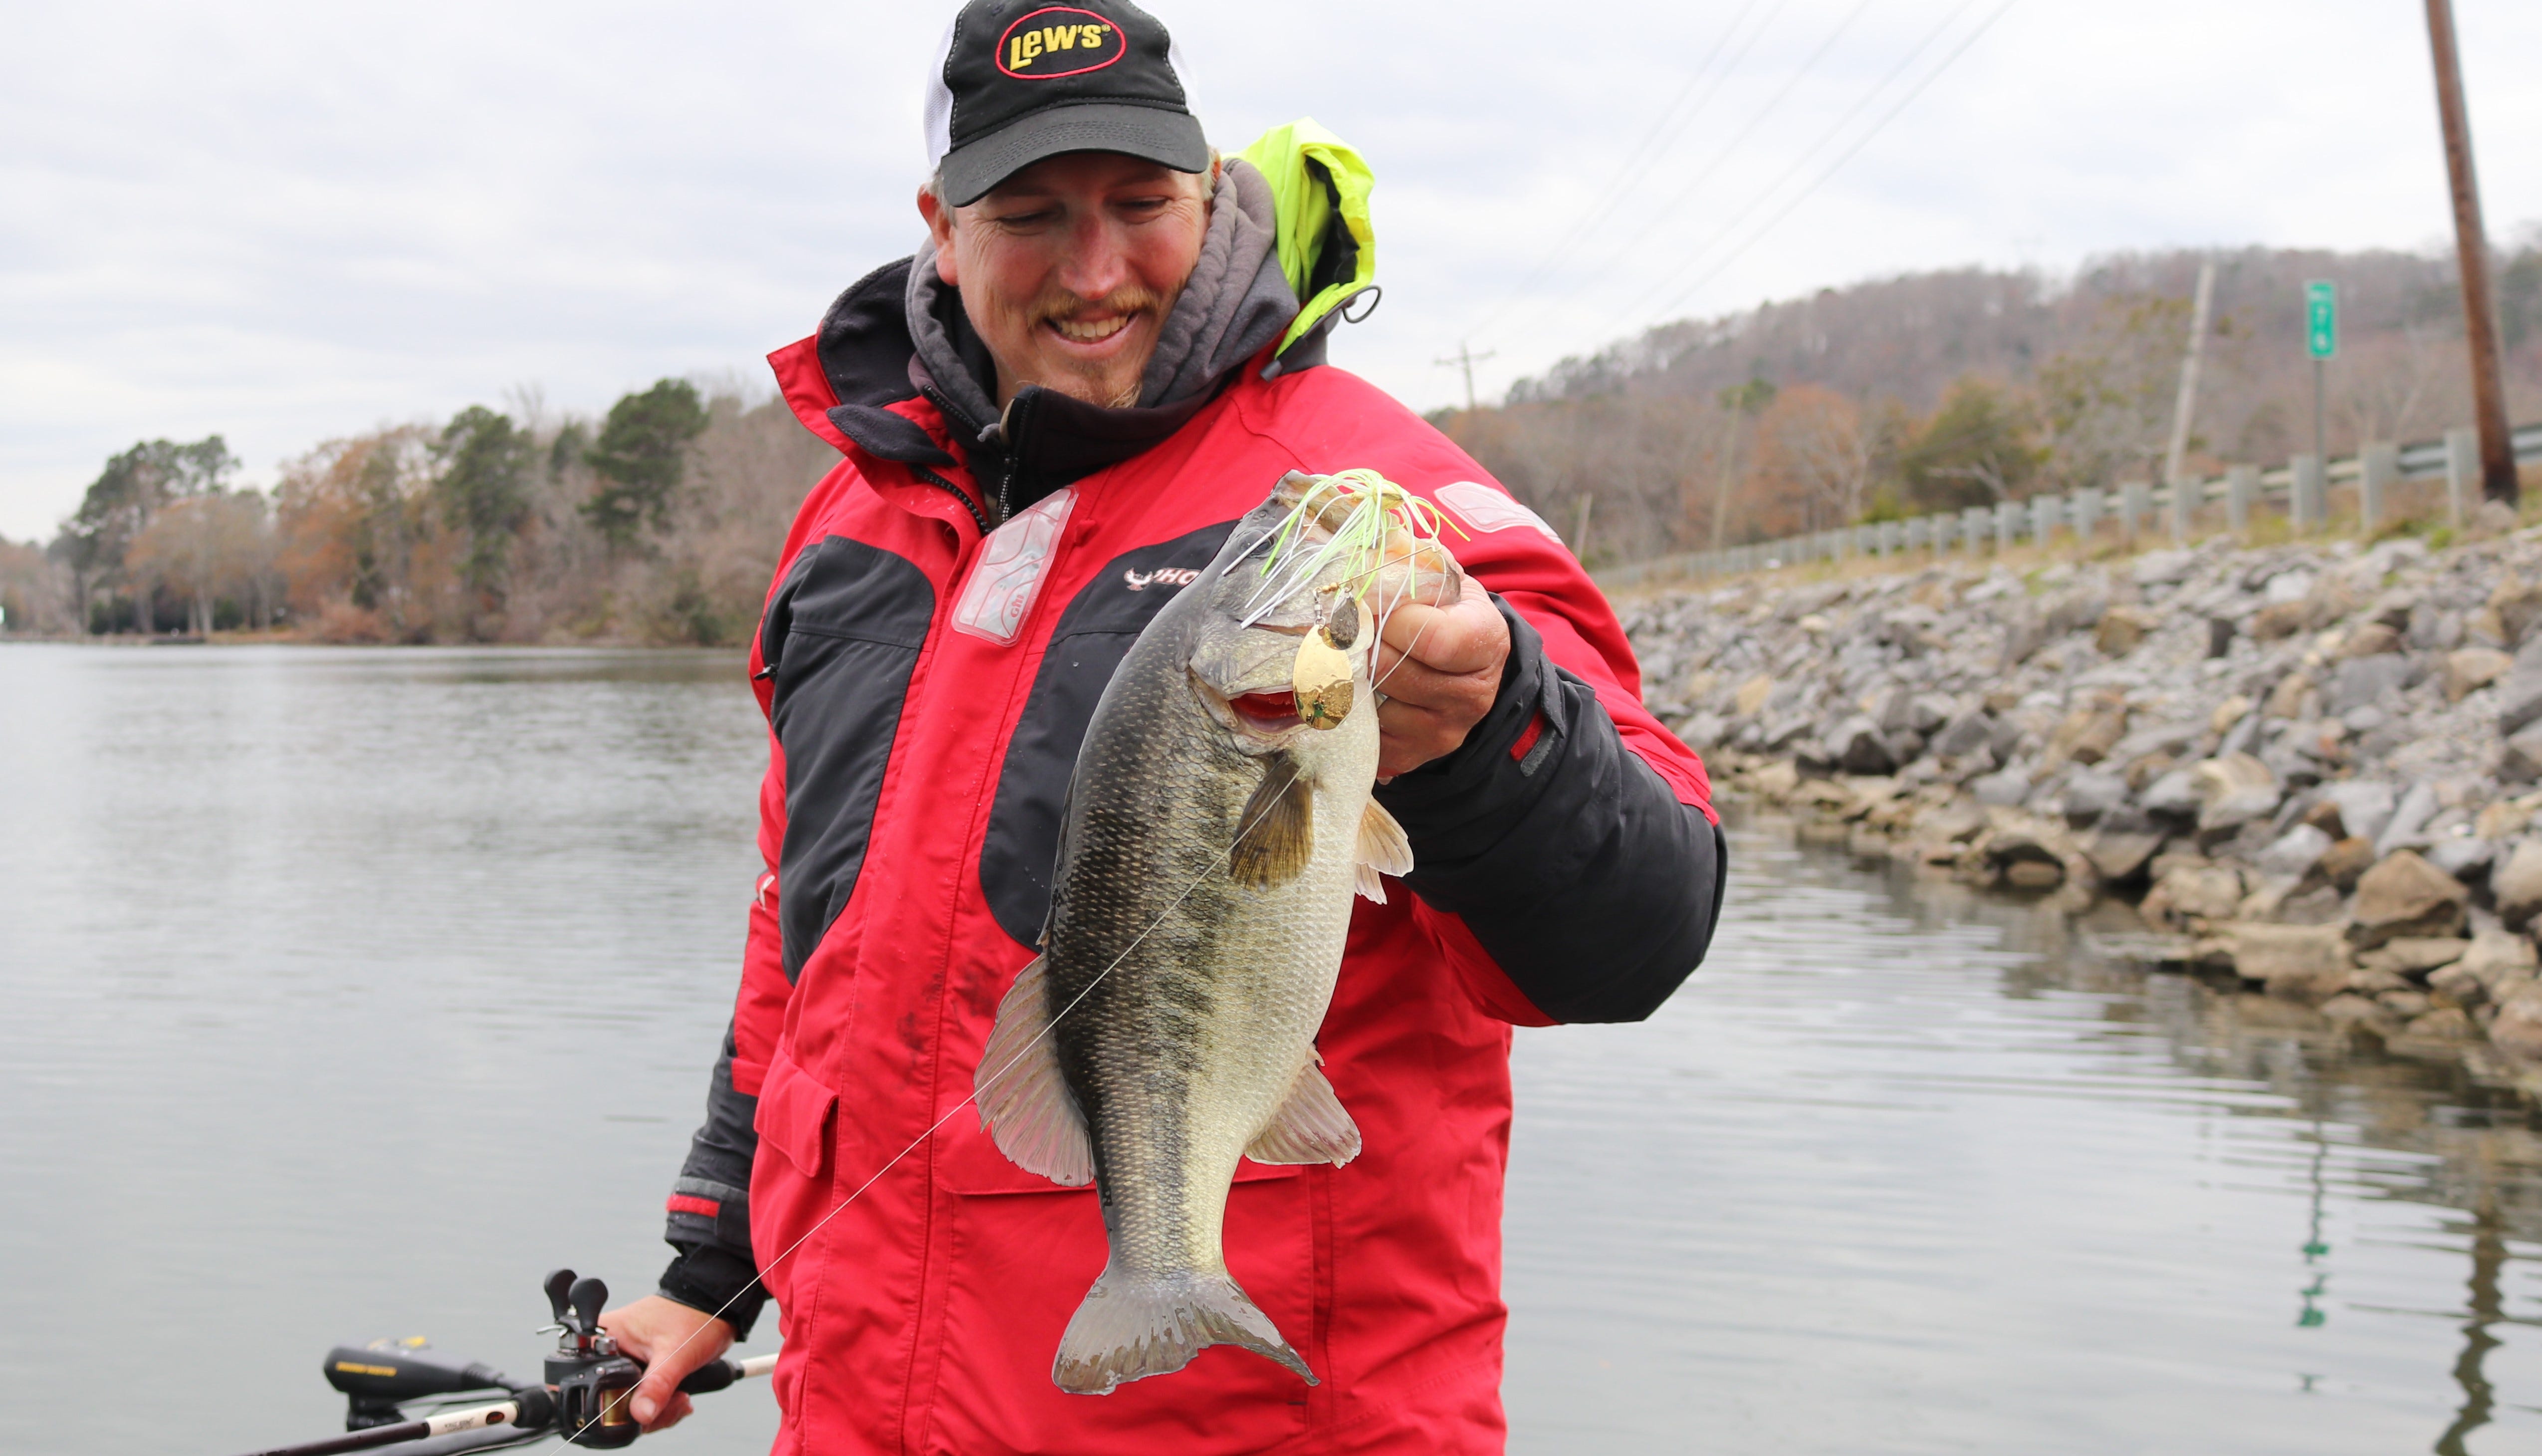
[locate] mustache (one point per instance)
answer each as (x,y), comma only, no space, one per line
(1130,297)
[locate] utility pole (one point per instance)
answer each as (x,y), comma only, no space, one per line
(2186,404)
(2471,245)
(1466,358)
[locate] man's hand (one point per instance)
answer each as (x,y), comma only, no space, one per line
(1440,668)
(671,1339)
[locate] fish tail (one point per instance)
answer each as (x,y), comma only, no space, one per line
(1131,1327)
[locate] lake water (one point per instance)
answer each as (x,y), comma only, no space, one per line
(344,992)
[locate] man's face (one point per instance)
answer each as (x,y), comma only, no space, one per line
(1069,267)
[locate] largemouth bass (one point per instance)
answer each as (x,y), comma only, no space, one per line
(1218,824)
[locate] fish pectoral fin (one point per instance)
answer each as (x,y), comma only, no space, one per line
(1024,1102)
(1383,850)
(1311,1127)
(1276,833)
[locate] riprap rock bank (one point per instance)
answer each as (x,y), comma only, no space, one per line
(2313,765)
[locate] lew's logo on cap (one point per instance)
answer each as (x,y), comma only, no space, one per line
(1058,41)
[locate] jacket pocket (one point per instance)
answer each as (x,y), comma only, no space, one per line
(796,1115)
(1019,1268)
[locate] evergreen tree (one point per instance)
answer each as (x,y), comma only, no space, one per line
(482,487)
(641,455)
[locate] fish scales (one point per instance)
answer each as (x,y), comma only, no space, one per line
(1206,862)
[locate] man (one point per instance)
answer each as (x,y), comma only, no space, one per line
(1108,349)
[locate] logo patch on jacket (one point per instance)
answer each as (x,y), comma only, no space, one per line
(1007,575)
(1486,509)
(1162,576)
(1059,40)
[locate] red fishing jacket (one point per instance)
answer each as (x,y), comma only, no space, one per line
(926,684)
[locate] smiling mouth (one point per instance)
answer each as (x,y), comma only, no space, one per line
(1091,331)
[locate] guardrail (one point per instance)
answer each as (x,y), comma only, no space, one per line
(2303,484)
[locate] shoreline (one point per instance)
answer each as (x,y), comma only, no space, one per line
(2311,767)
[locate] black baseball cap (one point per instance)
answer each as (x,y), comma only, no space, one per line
(1022,79)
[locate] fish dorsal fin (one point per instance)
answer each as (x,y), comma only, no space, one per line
(1383,850)
(1024,1102)
(1311,1127)
(1277,831)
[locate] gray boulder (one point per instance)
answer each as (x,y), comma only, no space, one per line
(2365,806)
(2091,794)
(2371,679)
(2174,795)
(1965,734)
(2466,857)
(2521,759)
(2295,851)
(2163,569)
(2004,789)
(1857,746)
(2519,700)
(2409,816)
(1705,729)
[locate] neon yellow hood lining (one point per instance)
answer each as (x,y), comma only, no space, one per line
(1320,188)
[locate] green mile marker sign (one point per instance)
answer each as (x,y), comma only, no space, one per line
(2321,318)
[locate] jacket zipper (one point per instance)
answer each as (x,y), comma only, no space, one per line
(956,492)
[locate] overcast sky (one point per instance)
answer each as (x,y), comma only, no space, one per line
(286,222)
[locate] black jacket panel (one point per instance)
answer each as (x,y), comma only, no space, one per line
(714,1270)
(1569,858)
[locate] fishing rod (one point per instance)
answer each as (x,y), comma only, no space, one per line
(580,1395)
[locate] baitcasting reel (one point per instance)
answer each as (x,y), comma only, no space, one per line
(582,1397)
(590,1378)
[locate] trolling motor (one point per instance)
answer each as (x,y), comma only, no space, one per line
(582,1397)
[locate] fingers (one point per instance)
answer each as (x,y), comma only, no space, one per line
(1467,637)
(672,1340)
(1409,736)
(1439,669)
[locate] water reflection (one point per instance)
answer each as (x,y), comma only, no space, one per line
(344,993)
(1959,1175)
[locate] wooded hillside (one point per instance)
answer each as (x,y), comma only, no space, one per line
(661,521)
(1959,388)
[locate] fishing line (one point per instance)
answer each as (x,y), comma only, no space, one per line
(1161,916)
(1377,502)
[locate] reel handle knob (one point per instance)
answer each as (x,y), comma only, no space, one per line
(557,1286)
(589,1297)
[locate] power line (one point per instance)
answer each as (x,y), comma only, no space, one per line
(1660,216)
(1832,168)
(1617,186)
(1801,163)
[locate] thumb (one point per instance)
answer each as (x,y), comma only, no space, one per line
(646,1401)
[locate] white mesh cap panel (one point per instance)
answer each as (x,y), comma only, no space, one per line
(937,115)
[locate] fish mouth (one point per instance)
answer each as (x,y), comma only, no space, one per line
(1259,722)
(1267,712)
